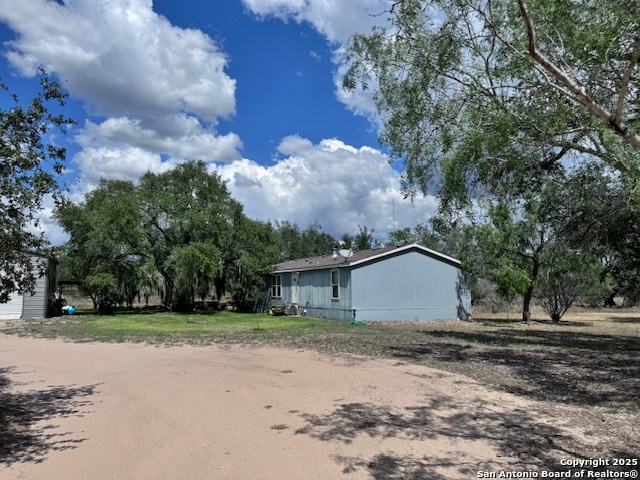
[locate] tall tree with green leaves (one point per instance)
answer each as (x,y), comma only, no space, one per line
(298,243)
(105,239)
(290,240)
(493,101)
(461,241)
(178,233)
(601,211)
(483,97)
(184,206)
(512,242)
(346,241)
(421,234)
(29,163)
(363,240)
(255,247)
(316,241)
(512,279)
(555,232)
(193,269)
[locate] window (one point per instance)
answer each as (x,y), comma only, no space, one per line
(335,284)
(276,286)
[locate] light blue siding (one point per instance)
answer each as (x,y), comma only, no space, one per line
(286,290)
(409,286)
(315,292)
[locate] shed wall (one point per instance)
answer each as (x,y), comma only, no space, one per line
(28,305)
(12,310)
(36,305)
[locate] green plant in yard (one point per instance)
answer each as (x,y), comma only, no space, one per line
(510,281)
(103,290)
(566,276)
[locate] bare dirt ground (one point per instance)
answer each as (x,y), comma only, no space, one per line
(129,411)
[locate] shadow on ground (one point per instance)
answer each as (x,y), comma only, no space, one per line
(625,319)
(562,366)
(521,441)
(391,467)
(518,439)
(23,437)
(496,322)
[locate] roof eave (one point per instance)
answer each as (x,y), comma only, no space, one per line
(404,248)
(346,263)
(314,267)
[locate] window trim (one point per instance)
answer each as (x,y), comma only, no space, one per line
(335,286)
(276,285)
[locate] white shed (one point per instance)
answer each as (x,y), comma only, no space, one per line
(36,304)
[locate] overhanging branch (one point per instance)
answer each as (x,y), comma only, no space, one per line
(626,78)
(573,90)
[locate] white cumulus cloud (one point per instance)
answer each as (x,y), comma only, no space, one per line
(180,136)
(159,89)
(337,21)
(338,185)
(128,163)
(120,56)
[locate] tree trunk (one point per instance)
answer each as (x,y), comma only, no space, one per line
(528,295)
(167,299)
(526,305)
(609,299)
(220,287)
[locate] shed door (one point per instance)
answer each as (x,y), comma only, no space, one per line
(13,309)
(295,278)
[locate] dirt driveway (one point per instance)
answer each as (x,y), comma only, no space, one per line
(128,411)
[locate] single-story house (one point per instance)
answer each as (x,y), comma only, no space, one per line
(34,305)
(409,282)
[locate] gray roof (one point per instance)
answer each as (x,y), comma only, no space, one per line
(363,256)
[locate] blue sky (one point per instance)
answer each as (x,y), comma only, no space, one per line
(252,87)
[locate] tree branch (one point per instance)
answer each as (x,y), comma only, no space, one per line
(624,88)
(575,92)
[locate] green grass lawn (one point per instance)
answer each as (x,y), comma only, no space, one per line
(157,326)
